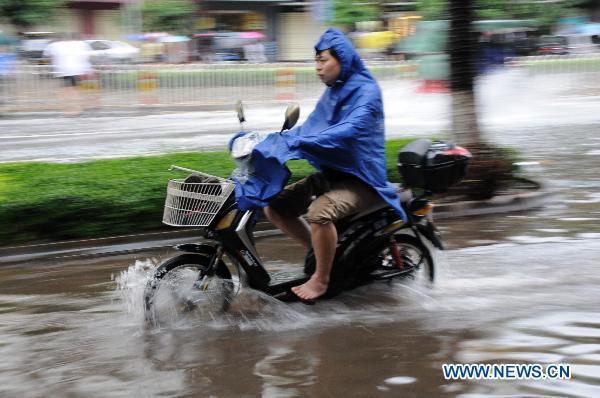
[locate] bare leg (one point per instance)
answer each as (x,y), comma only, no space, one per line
(295,227)
(66,100)
(324,240)
(72,100)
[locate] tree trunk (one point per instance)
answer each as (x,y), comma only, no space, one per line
(465,126)
(462,67)
(488,166)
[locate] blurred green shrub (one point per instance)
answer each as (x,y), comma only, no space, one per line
(50,202)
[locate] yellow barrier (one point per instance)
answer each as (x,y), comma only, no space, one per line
(285,84)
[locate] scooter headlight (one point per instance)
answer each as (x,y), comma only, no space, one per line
(243,145)
(425,210)
(226,221)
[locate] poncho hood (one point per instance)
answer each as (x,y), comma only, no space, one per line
(343,133)
(349,59)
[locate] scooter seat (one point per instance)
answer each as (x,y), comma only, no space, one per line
(369,210)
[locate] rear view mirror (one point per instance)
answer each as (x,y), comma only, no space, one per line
(240,111)
(292,113)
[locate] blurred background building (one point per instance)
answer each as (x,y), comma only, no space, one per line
(287,27)
(225,30)
(102,18)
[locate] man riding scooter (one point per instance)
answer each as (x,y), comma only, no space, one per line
(343,138)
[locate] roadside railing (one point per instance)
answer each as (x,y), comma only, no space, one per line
(34,88)
(553,64)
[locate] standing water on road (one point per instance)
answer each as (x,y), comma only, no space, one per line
(518,288)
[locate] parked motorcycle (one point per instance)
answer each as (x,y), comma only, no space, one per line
(373,245)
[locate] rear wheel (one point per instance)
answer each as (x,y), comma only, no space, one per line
(404,256)
(187,287)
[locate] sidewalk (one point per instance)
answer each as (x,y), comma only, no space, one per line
(140,242)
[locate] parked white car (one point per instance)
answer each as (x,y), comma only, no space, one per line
(581,44)
(112,51)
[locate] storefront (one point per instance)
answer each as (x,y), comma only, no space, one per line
(288,28)
(96,18)
(297,33)
(239,16)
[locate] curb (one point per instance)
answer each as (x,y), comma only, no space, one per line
(144,110)
(129,111)
(498,204)
(139,242)
(108,245)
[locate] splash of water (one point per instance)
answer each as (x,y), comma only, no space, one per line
(248,309)
(130,287)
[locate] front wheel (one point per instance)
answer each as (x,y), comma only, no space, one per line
(187,286)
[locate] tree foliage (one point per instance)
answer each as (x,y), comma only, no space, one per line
(545,13)
(347,13)
(176,16)
(27,13)
(432,10)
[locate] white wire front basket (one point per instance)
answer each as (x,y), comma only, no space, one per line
(196,200)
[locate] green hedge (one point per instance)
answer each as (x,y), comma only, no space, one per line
(223,77)
(256,76)
(51,202)
(251,77)
(565,65)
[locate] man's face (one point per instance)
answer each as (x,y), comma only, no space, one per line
(328,68)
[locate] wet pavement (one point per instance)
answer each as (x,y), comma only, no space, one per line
(513,288)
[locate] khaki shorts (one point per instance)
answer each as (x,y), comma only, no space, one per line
(325,201)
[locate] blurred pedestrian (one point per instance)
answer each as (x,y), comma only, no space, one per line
(254,52)
(8,61)
(71,62)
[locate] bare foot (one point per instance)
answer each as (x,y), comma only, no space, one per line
(312,289)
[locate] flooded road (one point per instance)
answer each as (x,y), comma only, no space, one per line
(76,329)
(512,289)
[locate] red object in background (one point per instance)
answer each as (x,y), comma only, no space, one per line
(457,150)
(252,35)
(433,86)
(553,51)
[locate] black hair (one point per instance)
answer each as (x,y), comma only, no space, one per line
(332,51)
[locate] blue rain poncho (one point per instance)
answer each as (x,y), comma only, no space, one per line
(345,132)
